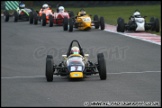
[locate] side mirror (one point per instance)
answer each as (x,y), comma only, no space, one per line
(145,16)
(86,55)
(64,56)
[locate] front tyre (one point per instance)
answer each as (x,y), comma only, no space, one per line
(118,21)
(31,16)
(50,21)
(152,21)
(121,25)
(65,24)
(101,66)
(43,20)
(49,68)
(35,20)
(96,21)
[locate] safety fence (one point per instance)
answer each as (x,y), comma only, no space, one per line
(11,5)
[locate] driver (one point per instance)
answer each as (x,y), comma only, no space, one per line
(61,9)
(75,50)
(137,14)
(44,7)
(21,6)
(82,12)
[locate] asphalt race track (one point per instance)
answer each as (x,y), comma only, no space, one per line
(133,68)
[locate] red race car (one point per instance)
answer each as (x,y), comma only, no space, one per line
(58,17)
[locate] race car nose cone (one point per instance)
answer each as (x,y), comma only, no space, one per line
(76,75)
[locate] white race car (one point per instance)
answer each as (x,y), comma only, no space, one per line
(137,24)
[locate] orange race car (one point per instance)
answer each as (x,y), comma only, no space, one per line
(42,16)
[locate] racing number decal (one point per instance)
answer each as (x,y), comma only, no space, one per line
(87,20)
(76,68)
(73,68)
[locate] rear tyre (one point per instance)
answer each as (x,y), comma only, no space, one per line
(70,25)
(157,27)
(50,21)
(43,20)
(96,21)
(49,68)
(102,23)
(16,16)
(101,66)
(6,16)
(65,24)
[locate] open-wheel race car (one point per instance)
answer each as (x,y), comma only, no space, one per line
(83,21)
(42,16)
(59,16)
(47,16)
(75,64)
(138,23)
(21,13)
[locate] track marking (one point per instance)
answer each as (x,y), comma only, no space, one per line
(43,76)
(136,72)
(17,77)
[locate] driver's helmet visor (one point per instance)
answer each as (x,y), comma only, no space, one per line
(75,52)
(61,10)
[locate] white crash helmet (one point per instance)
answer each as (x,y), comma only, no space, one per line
(75,50)
(61,9)
(136,13)
(45,6)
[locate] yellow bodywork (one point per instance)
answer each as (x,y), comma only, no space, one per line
(84,22)
(76,74)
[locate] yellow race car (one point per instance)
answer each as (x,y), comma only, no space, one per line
(83,21)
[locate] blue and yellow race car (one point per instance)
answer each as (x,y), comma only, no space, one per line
(75,64)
